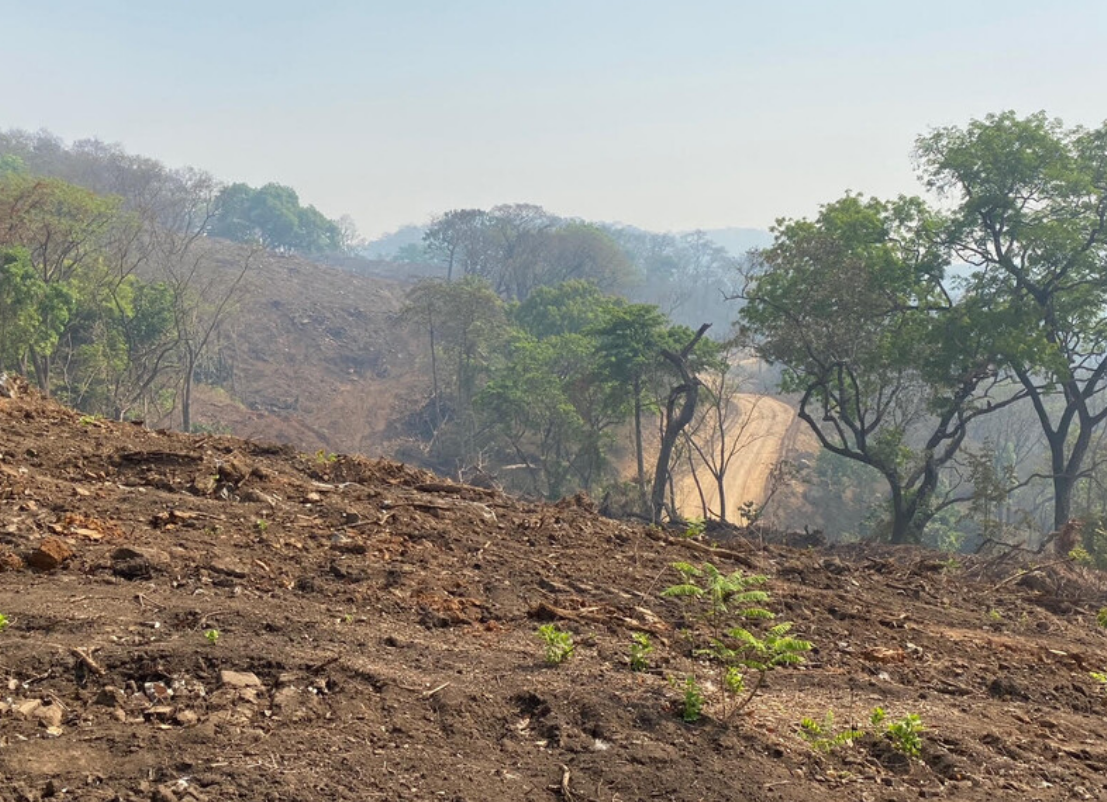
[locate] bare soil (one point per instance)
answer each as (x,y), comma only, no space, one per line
(206,618)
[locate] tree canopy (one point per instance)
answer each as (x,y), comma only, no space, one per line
(1029,216)
(890,367)
(272,216)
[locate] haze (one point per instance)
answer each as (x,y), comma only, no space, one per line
(708,115)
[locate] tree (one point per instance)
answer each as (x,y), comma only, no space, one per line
(64,230)
(520,247)
(526,402)
(550,396)
(1030,217)
(466,324)
(273,217)
(204,295)
(33,314)
(718,435)
(675,419)
(459,238)
(890,370)
(629,345)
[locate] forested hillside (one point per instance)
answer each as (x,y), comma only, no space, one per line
(945,360)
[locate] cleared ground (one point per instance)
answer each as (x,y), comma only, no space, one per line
(204,618)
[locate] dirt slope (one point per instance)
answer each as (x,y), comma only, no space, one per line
(312,355)
(376,640)
(765,426)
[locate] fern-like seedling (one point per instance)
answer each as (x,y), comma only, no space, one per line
(906,734)
(559,644)
(724,600)
(640,649)
(824,736)
(693,700)
(721,595)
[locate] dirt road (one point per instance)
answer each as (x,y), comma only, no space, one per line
(764,424)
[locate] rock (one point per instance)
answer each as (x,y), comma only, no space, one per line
(129,562)
(234,472)
(252,495)
(158,713)
(239,679)
(186,718)
(157,692)
(50,554)
(10,561)
(110,696)
(49,716)
(27,708)
(1006,688)
(228,566)
(347,545)
(164,793)
(155,557)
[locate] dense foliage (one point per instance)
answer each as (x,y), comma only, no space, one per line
(893,359)
(537,390)
(273,216)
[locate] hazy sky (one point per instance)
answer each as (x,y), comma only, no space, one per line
(665,115)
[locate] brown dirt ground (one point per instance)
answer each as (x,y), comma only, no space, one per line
(383,626)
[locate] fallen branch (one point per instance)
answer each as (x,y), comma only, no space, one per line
(87,661)
(566,792)
(1027,572)
(714,551)
(545,611)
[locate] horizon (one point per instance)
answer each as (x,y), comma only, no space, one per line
(715,116)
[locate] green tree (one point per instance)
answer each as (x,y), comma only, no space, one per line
(855,309)
(549,395)
(525,402)
(1030,217)
(273,217)
(459,239)
(33,314)
(64,230)
(466,325)
(629,344)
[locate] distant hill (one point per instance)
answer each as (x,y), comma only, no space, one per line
(386,246)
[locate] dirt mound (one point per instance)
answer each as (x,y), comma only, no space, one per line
(205,618)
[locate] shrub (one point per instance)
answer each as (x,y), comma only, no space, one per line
(726,599)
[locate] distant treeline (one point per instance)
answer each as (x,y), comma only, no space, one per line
(183,200)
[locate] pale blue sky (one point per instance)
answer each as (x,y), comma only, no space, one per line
(664,115)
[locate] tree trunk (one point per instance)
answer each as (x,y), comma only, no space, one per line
(42,372)
(675,423)
(186,395)
(434,379)
(638,439)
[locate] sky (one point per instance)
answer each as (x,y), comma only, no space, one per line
(664,115)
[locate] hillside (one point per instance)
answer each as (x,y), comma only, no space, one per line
(315,357)
(207,618)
